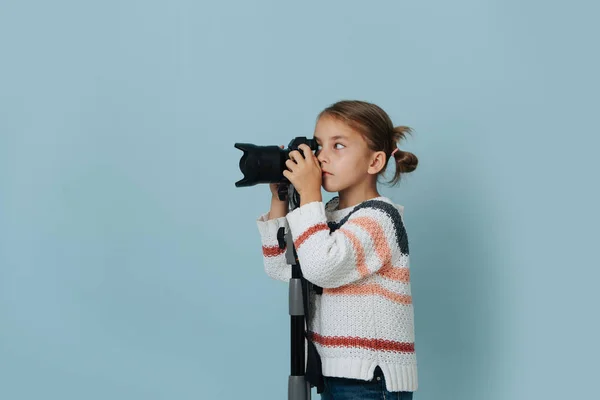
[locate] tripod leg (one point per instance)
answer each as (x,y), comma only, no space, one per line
(298,388)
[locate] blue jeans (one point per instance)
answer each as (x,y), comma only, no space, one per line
(356,389)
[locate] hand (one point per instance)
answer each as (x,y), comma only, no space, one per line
(304,171)
(274,189)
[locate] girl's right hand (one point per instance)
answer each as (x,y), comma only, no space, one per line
(274,189)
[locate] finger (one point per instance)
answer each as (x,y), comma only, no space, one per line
(296,156)
(293,155)
(308,152)
(305,150)
(291,165)
(287,174)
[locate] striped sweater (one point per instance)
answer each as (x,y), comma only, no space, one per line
(359,256)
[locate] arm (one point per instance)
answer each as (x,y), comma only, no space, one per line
(268,224)
(363,244)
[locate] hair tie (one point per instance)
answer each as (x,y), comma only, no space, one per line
(395,150)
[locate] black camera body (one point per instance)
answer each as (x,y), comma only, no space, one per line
(265,164)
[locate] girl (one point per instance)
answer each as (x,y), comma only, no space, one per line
(355,247)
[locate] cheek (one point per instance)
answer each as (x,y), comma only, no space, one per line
(355,164)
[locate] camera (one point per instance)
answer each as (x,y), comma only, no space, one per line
(265,164)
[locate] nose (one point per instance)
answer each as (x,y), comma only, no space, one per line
(321,156)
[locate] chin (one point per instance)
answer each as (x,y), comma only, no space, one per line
(329,188)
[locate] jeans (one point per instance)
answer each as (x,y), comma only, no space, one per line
(355,389)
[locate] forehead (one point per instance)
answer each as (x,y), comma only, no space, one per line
(330,128)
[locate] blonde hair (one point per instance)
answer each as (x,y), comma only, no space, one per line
(375,125)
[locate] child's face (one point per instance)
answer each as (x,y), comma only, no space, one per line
(345,158)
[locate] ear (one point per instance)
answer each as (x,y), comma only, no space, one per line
(377,162)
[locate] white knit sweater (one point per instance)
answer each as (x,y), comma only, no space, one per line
(359,256)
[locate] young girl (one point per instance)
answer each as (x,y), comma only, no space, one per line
(355,247)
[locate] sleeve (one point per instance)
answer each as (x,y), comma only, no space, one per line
(360,247)
(274,259)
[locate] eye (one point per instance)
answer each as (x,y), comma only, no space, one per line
(319,147)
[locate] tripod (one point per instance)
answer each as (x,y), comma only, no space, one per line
(299,292)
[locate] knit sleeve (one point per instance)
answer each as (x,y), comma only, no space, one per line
(363,244)
(274,259)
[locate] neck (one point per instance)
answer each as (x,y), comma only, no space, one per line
(355,195)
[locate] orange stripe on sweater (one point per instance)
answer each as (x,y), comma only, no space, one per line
(361,265)
(367,343)
(378,236)
(399,274)
(306,234)
(369,289)
(272,251)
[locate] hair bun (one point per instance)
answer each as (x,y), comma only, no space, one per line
(406,161)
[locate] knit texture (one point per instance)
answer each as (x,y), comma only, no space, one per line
(359,256)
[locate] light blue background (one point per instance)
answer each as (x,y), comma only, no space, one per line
(130,265)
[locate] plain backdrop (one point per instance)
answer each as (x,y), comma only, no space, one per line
(131,265)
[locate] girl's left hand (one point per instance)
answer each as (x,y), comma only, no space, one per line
(304,171)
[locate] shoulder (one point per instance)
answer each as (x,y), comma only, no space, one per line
(381,206)
(382,212)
